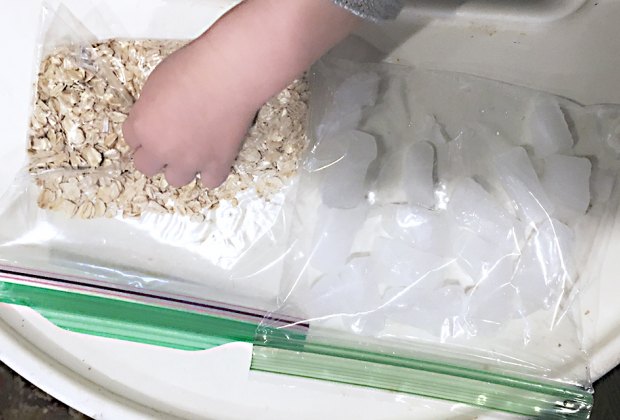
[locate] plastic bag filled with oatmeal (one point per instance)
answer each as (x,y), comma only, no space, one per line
(77,206)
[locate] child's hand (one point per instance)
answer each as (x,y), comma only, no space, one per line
(197,105)
(189,120)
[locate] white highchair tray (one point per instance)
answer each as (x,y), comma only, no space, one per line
(567,47)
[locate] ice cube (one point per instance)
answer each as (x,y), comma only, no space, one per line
(471,152)
(389,188)
(357,273)
(475,209)
(566,180)
(335,122)
(530,282)
(494,299)
(436,311)
(344,183)
(427,230)
(478,257)
(443,168)
(546,129)
(519,180)
(396,165)
(325,152)
(328,151)
(391,117)
(429,130)
(334,235)
(358,91)
(349,293)
(398,298)
(418,175)
(412,224)
(610,126)
(328,296)
(367,324)
(559,242)
(389,275)
(546,267)
(602,184)
(397,264)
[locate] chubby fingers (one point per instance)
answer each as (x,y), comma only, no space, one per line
(214,175)
(129,133)
(178,165)
(147,163)
(179,175)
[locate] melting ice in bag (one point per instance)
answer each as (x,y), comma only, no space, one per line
(413,224)
(601,185)
(479,257)
(471,153)
(437,311)
(546,129)
(472,207)
(427,230)
(349,290)
(418,174)
(350,293)
(521,183)
(397,264)
(430,130)
(547,267)
(349,100)
(491,305)
(334,236)
(566,180)
(344,183)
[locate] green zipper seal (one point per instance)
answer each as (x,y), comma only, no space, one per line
(438,379)
(284,352)
(128,320)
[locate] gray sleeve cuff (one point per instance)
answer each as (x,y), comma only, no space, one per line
(375,10)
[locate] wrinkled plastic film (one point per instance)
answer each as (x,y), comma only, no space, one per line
(451,210)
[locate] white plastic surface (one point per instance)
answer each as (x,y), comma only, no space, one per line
(575,53)
(106,379)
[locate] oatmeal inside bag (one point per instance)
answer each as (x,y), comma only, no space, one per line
(83,166)
(79,208)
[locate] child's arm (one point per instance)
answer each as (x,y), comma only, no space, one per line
(197,105)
